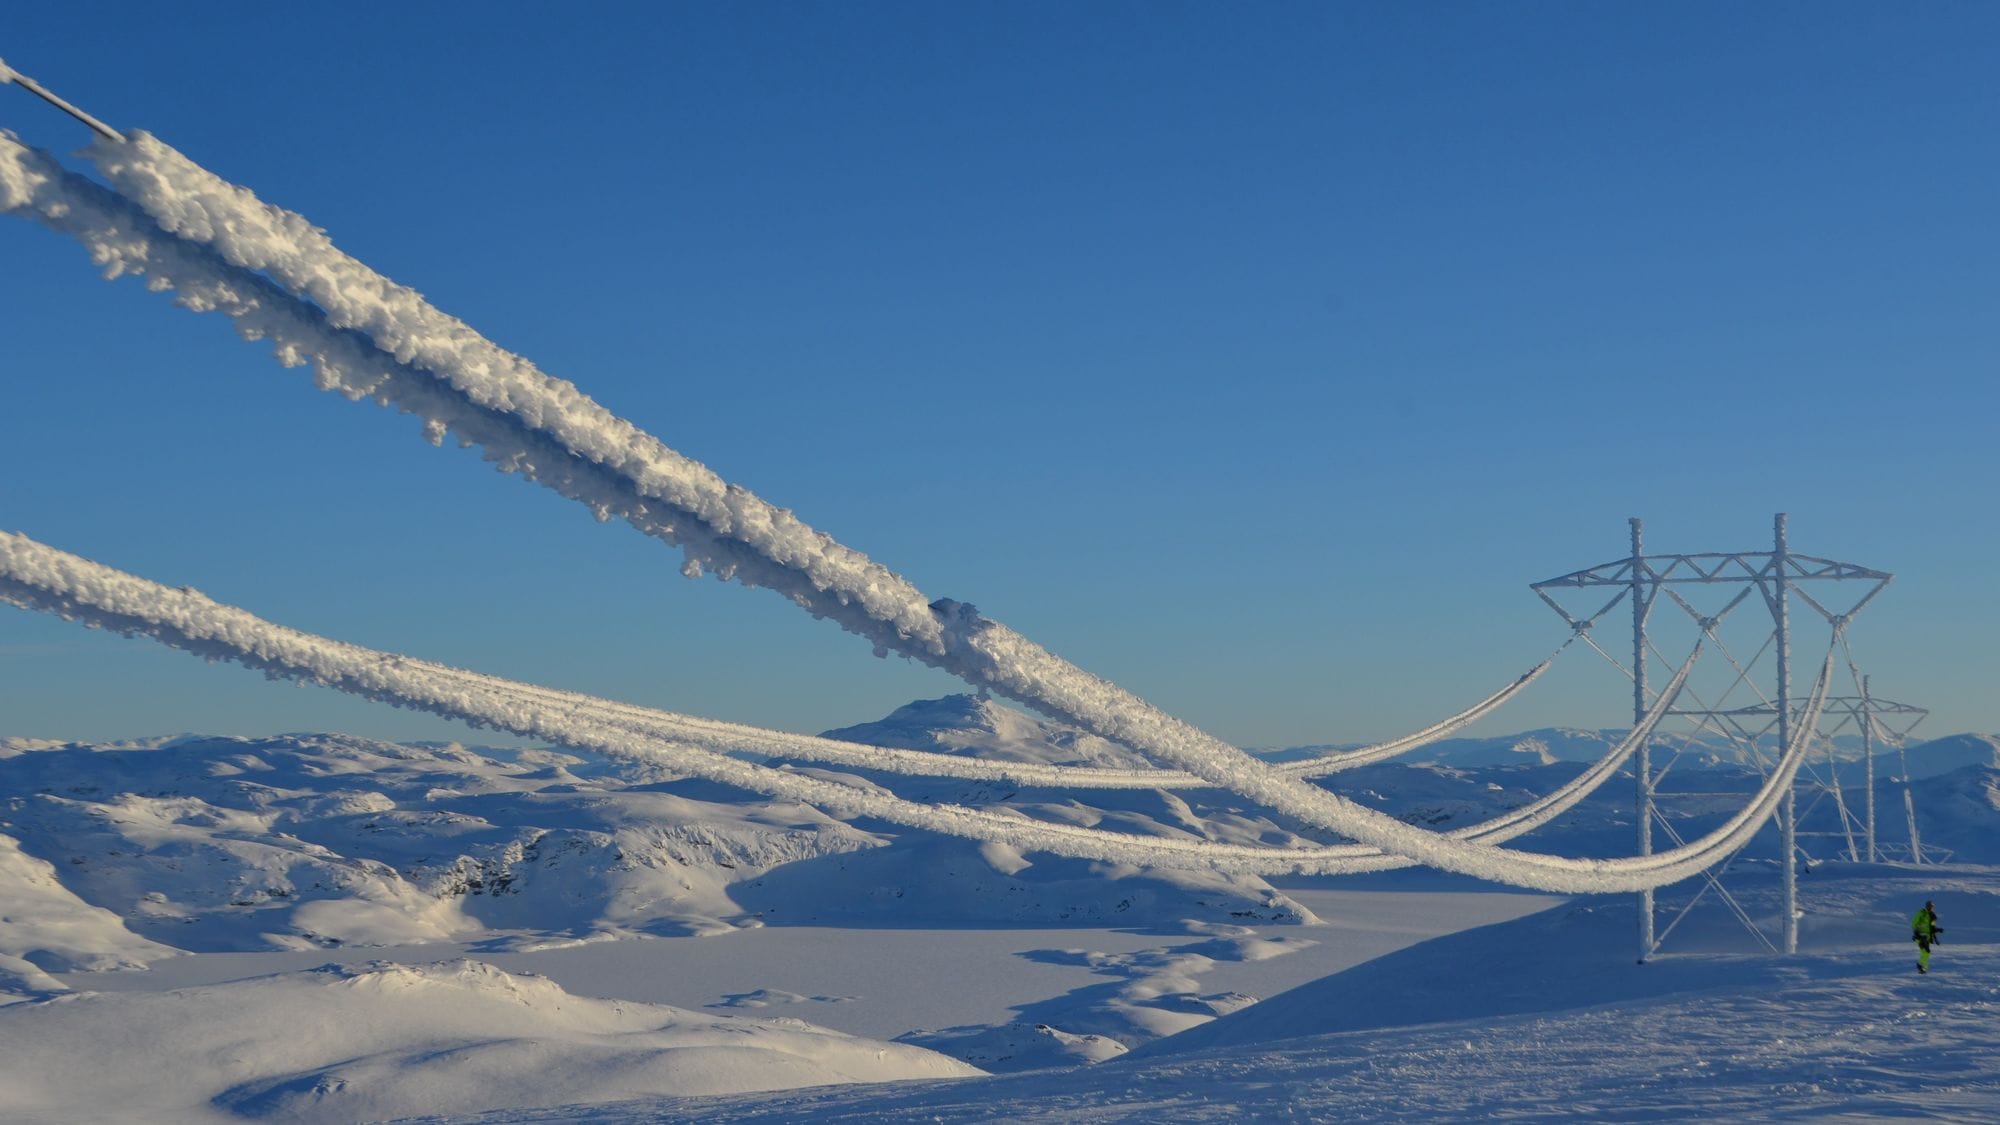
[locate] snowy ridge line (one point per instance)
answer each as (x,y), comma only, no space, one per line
(1335,859)
(725,736)
(1535,814)
(668,727)
(1108,711)
(34,576)
(196,203)
(193,203)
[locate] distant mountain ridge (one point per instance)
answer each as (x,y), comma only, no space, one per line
(979,727)
(132,851)
(1547,745)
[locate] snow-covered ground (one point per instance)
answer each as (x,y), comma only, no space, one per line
(340,929)
(1543,1018)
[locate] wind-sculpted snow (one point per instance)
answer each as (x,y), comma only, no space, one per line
(38,577)
(388,1040)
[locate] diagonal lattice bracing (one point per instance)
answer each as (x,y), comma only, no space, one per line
(1744,708)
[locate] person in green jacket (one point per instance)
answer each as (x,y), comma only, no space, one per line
(1925,931)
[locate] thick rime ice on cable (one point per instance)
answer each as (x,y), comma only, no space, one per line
(772,546)
(514,439)
(123,240)
(193,203)
(1382,751)
(38,577)
(723,737)
(198,205)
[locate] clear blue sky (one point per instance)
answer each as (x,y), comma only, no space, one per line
(1255,357)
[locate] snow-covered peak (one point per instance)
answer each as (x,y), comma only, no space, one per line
(981,727)
(1942,755)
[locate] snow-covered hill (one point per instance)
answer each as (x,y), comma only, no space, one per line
(320,840)
(137,850)
(977,726)
(119,856)
(1943,755)
(1546,1018)
(920,877)
(340,1045)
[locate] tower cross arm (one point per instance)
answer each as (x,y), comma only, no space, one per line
(1713,567)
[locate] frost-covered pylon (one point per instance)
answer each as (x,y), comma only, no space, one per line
(1708,588)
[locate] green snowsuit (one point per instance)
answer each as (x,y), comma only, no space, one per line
(1924,930)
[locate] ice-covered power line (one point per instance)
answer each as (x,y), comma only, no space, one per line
(728,737)
(783,552)
(1324,764)
(193,203)
(929,763)
(817,572)
(122,240)
(38,577)
(539,426)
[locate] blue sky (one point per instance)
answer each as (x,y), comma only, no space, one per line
(1256,358)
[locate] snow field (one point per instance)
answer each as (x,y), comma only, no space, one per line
(1544,1018)
(344,1044)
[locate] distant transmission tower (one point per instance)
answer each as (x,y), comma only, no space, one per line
(1708,588)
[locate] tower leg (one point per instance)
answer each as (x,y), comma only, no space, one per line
(1788,836)
(1642,764)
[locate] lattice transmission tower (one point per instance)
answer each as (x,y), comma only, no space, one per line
(1733,705)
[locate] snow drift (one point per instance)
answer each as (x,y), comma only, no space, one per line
(396,1041)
